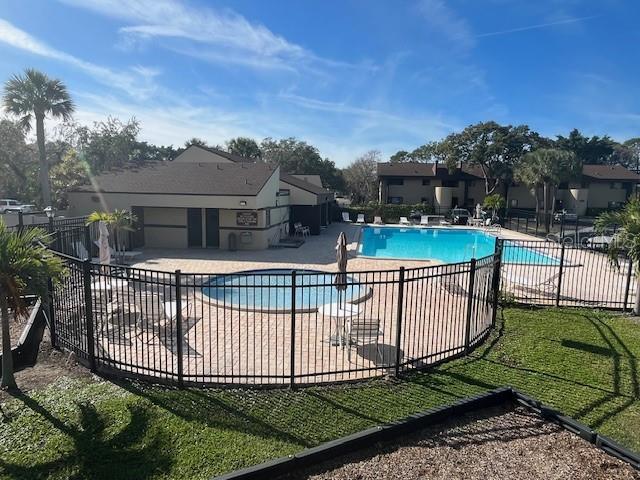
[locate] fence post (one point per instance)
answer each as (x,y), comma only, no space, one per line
(399,320)
(20,221)
(87,240)
(562,227)
(472,281)
(526,227)
(52,312)
(495,284)
(627,285)
(560,275)
(88,302)
(577,225)
(292,366)
(179,328)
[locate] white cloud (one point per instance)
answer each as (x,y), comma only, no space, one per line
(445,21)
(136,82)
(535,27)
(233,38)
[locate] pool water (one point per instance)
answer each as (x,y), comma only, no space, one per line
(271,289)
(449,245)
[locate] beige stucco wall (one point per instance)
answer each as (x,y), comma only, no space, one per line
(412,191)
(156,236)
(298,196)
(600,194)
(196,154)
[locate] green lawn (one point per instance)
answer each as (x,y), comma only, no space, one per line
(582,362)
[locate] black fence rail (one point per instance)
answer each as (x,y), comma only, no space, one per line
(271,326)
(556,226)
(564,274)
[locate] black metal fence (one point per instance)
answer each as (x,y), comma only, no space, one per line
(557,226)
(271,327)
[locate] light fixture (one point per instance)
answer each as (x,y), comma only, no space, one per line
(243,203)
(50,211)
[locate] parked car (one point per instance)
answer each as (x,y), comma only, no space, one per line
(8,205)
(459,216)
(567,215)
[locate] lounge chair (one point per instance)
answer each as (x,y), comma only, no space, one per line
(424,220)
(345,217)
(171,310)
(360,218)
(377,221)
(546,285)
(404,221)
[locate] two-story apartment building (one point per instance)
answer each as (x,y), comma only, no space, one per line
(600,187)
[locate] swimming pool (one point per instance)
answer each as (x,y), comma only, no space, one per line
(271,290)
(448,245)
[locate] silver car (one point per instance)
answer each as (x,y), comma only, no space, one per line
(8,205)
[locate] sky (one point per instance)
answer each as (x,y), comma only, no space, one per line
(347,76)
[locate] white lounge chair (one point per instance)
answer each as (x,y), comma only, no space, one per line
(377,221)
(404,221)
(360,218)
(424,220)
(361,332)
(171,310)
(301,230)
(345,217)
(547,285)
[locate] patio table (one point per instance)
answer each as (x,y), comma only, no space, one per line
(339,313)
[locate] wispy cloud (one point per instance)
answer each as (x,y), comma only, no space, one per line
(136,82)
(445,21)
(233,38)
(536,27)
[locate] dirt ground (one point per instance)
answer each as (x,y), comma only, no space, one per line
(492,444)
(52,364)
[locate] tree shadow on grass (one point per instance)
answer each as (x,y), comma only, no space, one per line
(95,454)
(211,409)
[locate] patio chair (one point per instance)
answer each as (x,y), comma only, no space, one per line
(404,221)
(345,217)
(360,218)
(424,220)
(361,332)
(377,221)
(546,285)
(301,230)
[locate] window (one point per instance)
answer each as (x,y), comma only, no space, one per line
(95,199)
(268,219)
(395,200)
(425,200)
(450,183)
(426,181)
(395,181)
(616,185)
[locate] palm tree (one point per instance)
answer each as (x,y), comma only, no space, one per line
(26,265)
(120,221)
(494,202)
(35,95)
(546,168)
(626,223)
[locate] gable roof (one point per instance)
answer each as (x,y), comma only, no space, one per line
(245,179)
(303,184)
(420,169)
(229,156)
(609,172)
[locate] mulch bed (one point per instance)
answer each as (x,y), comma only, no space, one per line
(495,443)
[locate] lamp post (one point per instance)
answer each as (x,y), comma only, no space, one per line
(50,212)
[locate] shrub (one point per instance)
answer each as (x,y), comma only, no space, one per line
(390,213)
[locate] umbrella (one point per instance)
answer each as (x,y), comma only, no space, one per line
(103,243)
(478,211)
(340,278)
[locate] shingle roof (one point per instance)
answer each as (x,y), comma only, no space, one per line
(229,156)
(609,172)
(303,184)
(246,179)
(419,169)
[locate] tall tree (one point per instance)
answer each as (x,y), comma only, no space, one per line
(107,144)
(633,144)
(296,156)
(594,150)
(400,156)
(18,162)
(361,179)
(493,148)
(245,147)
(34,95)
(26,266)
(195,141)
(546,168)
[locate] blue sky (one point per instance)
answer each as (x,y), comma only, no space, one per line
(347,76)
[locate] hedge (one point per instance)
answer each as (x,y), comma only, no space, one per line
(390,213)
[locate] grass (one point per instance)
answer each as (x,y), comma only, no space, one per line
(583,362)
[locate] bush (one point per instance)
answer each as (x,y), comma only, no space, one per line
(389,213)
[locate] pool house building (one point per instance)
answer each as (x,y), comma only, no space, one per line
(207,198)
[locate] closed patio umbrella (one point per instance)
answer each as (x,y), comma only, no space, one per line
(340,278)
(103,243)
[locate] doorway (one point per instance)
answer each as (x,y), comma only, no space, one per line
(194,227)
(212,218)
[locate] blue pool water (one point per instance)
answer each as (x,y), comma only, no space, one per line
(449,245)
(271,289)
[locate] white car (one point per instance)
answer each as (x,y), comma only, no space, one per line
(8,205)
